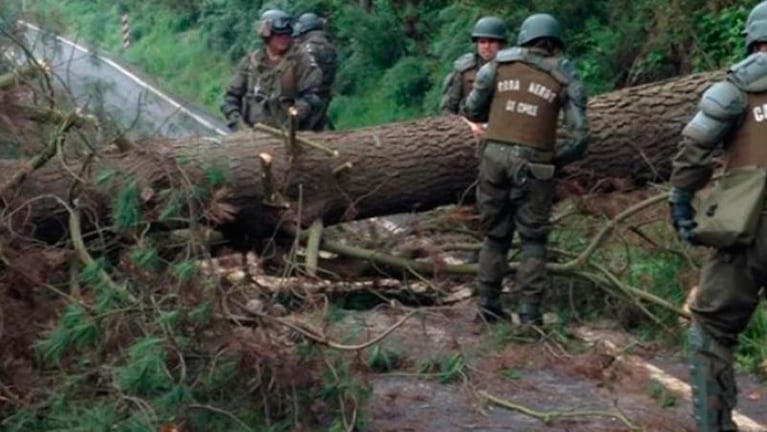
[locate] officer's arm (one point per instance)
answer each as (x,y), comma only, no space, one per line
(719,112)
(235,91)
(451,94)
(308,84)
(574,109)
(477,104)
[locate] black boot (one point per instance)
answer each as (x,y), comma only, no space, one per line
(491,314)
(530,313)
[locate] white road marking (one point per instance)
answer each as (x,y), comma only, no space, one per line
(137,80)
(745,423)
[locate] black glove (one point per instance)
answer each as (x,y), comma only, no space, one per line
(683,215)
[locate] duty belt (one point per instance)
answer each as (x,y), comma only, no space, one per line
(527,153)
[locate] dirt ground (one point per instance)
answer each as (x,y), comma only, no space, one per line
(581,388)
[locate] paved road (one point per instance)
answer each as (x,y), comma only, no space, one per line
(101,85)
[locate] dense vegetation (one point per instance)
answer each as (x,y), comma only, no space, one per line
(394,53)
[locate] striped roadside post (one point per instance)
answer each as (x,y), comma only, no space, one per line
(126,30)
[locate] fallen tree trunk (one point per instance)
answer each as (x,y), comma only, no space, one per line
(401,167)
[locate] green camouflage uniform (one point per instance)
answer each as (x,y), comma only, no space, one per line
(262,92)
(732,118)
(315,43)
(520,95)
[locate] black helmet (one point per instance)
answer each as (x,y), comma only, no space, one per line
(489,27)
(308,22)
(275,21)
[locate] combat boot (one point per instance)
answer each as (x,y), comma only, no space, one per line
(530,312)
(490,305)
(713,382)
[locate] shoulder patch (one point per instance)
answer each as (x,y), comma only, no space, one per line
(511,55)
(465,62)
(567,69)
(750,75)
(723,101)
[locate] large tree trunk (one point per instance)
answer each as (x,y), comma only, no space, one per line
(401,167)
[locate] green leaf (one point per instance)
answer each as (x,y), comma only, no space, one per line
(145,373)
(126,209)
(105,177)
(146,258)
(186,270)
(512,374)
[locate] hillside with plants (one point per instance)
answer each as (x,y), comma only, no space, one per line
(145,286)
(394,54)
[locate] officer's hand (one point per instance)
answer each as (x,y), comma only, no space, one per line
(683,216)
(477,129)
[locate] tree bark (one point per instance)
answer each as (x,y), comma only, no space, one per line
(400,167)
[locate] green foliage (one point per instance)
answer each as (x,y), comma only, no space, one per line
(126,208)
(752,352)
(341,385)
(215,177)
(658,391)
(449,368)
(512,374)
(395,57)
(186,270)
(146,257)
(75,331)
(382,359)
(145,373)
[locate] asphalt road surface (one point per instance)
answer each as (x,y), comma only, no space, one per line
(102,86)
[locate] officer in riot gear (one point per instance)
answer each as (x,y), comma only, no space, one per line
(731,120)
(520,95)
(488,36)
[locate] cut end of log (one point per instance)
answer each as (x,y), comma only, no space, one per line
(266,158)
(346,166)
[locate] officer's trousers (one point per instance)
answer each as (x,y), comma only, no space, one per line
(511,198)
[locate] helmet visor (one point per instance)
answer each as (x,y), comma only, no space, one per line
(281,25)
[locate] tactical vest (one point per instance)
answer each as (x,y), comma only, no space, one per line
(467,82)
(525,107)
(270,89)
(748,144)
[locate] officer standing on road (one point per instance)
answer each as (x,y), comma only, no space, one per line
(489,36)
(314,41)
(732,114)
(275,80)
(520,94)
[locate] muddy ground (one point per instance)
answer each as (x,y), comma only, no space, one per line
(553,373)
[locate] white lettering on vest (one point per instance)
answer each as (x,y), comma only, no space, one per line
(759,113)
(508,85)
(542,91)
(526,108)
(511,105)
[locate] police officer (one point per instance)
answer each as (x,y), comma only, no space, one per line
(730,117)
(314,41)
(520,94)
(275,80)
(489,36)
